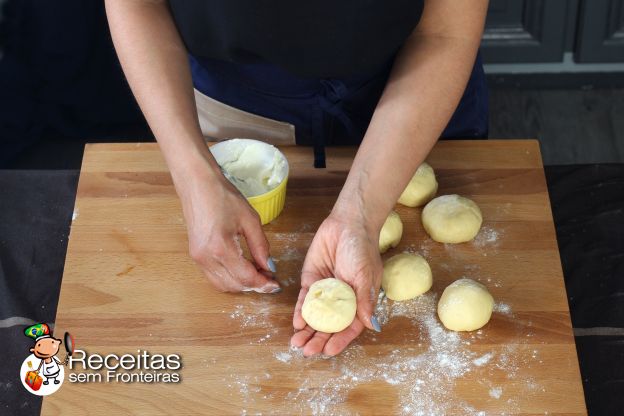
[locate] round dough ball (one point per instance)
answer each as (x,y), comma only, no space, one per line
(421,188)
(329,305)
(406,276)
(452,219)
(391,232)
(465,305)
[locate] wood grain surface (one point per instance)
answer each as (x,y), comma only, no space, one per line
(130,285)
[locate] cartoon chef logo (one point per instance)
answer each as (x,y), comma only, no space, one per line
(42,373)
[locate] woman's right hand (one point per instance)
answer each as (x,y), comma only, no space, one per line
(217,215)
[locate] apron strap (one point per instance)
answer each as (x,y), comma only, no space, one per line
(319,155)
(331,97)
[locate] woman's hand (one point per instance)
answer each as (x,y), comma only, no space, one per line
(156,65)
(346,250)
(216,216)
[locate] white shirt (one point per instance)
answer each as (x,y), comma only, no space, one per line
(51,368)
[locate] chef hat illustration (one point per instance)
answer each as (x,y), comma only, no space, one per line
(38,331)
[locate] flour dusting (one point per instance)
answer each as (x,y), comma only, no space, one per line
(423,372)
(484,359)
(502,308)
(254,314)
(496,392)
(487,236)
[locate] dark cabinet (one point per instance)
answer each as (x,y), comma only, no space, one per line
(600,31)
(525,31)
(542,31)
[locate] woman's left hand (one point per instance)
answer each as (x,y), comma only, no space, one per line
(347,250)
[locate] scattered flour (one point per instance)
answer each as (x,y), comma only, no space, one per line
(285,282)
(254,314)
(282,356)
(484,359)
(423,372)
(290,253)
(306,227)
(503,308)
(494,283)
(425,248)
(496,392)
(487,236)
(287,237)
(424,375)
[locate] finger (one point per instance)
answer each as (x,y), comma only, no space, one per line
(258,244)
(220,277)
(298,321)
(316,344)
(249,277)
(301,337)
(339,341)
(366,295)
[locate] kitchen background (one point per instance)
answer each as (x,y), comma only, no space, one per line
(555,69)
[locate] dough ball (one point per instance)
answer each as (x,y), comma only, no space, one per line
(406,276)
(421,188)
(391,232)
(465,305)
(329,305)
(452,219)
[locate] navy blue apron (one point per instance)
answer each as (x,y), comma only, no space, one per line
(326,111)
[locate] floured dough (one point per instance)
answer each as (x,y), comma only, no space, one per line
(452,219)
(329,305)
(391,232)
(421,188)
(406,276)
(465,305)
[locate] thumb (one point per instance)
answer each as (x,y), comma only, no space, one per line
(258,244)
(366,298)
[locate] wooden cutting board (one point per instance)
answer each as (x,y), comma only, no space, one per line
(130,285)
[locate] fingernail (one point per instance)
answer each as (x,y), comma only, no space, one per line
(262,289)
(271,264)
(375,323)
(271,287)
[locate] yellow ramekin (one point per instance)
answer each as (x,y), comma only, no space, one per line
(270,204)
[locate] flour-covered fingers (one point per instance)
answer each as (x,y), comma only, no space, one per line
(220,277)
(249,277)
(316,344)
(301,337)
(341,340)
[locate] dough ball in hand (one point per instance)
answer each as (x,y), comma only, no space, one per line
(465,305)
(421,188)
(329,305)
(406,276)
(452,219)
(391,232)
